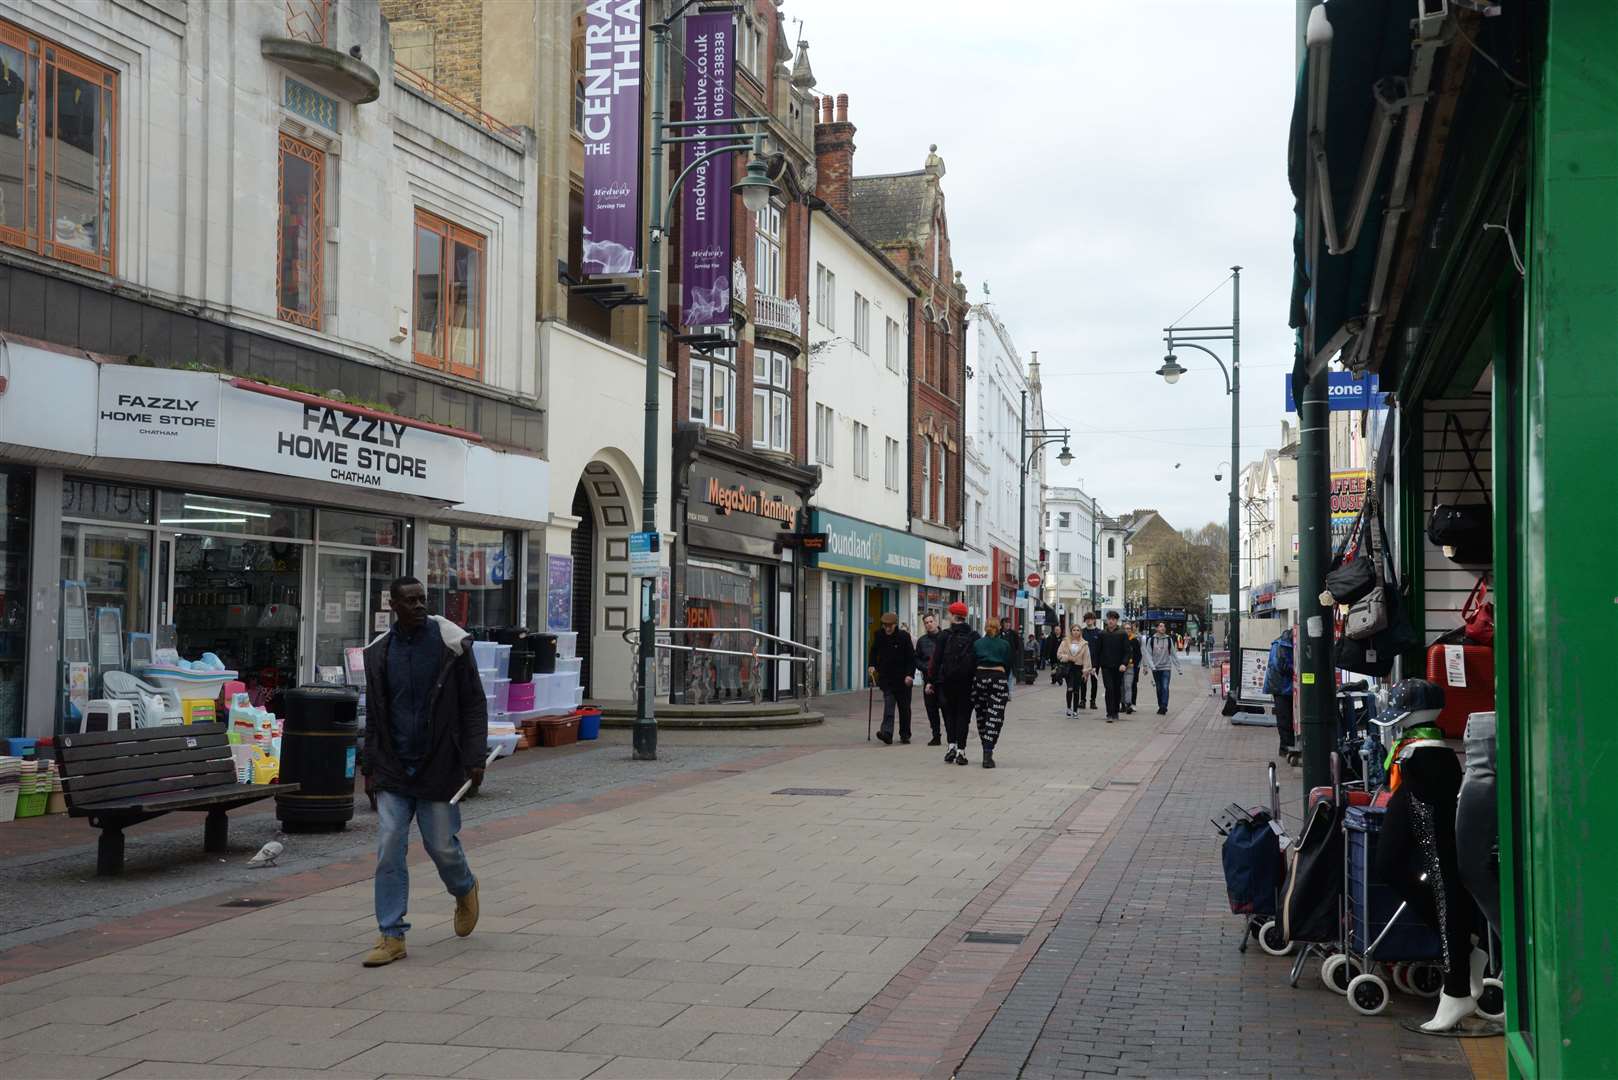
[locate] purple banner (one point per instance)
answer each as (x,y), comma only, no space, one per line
(710,81)
(611,130)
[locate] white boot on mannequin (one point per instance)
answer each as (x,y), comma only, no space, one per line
(1451,1011)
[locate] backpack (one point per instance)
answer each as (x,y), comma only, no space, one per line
(1278,672)
(956,660)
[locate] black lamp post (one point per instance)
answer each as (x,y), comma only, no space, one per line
(1171,371)
(1041,437)
(755,189)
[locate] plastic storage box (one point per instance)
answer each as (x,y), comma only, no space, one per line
(572,666)
(521,697)
(559,730)
(567,645)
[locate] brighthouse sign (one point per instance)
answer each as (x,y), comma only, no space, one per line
(859,547)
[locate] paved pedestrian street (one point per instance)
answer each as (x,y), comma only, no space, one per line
(797,910)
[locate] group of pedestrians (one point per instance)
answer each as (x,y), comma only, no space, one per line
(961,672)
(1114,657)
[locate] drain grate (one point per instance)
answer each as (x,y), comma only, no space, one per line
(1125,783)
(247,901)
(993,937)
(813,791)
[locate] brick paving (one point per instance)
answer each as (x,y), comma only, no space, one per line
(1141,976)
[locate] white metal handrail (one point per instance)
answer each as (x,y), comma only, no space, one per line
(777,312)
(729,680)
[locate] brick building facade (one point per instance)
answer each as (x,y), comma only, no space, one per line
(441,39)
(904,215)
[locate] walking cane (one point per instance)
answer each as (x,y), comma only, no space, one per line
(870,703)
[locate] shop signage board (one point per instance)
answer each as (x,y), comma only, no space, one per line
(710,41)
(950,567)
(979,569)
(859,547)
(611,130)
(728,510)
(155,414)
(323,441)
(1348,490)
(1344,392)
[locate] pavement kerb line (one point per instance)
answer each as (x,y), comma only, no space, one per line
(117,934)
(855,1038)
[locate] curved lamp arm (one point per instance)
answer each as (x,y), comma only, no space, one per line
(1179,343)
(674,190)
(1028,463)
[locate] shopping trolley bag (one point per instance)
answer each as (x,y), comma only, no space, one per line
(1314,881)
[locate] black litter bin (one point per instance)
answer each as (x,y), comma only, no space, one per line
(319,751)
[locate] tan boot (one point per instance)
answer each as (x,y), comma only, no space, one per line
(466,913)
(386,951)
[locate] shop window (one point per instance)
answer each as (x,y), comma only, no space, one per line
(1112,550)
(536,584)
(449,297)
(862,451)
(713,390)
(189,511)
(1112,586)
(299,232)
(1064,562)
(772,401)
(578,104)
(16,517)
(472,575)
(726,596)
(767,249)
(58,151)
(862,324)
(363,530)
(106,502)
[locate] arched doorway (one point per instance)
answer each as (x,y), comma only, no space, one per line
(602,594)
(584,545)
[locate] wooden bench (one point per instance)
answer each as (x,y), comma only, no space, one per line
(119,778)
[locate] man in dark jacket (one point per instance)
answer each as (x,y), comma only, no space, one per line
(926,646)
(1112,657)
(1092,638)
(1014,671)
(892,667)
(426,733)
(953,668)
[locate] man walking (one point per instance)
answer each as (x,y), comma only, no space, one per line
(1160,658)
(926,647)
(1278,684)
(892,667)
(954,665)
(1092,638)
(426,734)
(1112,657)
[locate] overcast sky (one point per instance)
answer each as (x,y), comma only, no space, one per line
(1107,164)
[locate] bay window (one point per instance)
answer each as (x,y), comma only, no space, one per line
(449,297)
(772,401)
(712,399)
(58,149)
(300,232)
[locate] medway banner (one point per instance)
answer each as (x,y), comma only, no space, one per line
(612,137)
(705,219)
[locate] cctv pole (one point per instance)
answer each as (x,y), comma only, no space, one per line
(1235,639)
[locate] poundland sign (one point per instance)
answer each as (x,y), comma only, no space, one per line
(859,547)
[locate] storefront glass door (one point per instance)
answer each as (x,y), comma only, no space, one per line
(115,566)
(843,660)
(350,610)
(726,597)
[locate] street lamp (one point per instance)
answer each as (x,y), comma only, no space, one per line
(1041,437)
(1188,336)
(756,189)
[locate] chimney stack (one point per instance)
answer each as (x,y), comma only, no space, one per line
(834,154)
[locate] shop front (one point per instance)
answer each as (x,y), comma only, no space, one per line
(950,578)
(864,571)
(181,510)
(737,572)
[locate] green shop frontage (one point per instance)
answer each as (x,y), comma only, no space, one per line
(1456,177)
(864,570)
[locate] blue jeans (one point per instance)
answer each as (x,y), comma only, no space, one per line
(439,822)
(1161,679)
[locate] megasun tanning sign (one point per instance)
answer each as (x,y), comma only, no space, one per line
(611,129)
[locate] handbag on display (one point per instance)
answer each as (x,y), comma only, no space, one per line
(1477,616)
(1368,617)
(1352,579)
(1463,531)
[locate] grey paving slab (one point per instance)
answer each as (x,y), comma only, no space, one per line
(533,1065)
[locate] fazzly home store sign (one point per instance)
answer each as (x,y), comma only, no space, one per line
(161,415)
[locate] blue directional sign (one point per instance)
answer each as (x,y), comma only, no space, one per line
(1346,392)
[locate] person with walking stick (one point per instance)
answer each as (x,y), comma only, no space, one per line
(892,668)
